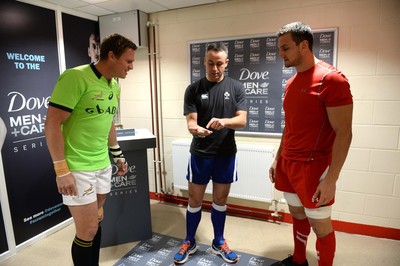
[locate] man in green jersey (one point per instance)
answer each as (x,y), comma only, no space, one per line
(80,133)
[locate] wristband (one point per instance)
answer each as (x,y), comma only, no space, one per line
(61,168)
(117,153)
(116,159)
(63,175)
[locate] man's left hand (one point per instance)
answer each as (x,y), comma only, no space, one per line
(122,167)
(325,193)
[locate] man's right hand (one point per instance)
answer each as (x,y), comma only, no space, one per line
(66,185)
(272,171)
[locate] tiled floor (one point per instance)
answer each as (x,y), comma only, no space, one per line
(246,235)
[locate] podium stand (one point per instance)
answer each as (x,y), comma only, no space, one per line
(127,216)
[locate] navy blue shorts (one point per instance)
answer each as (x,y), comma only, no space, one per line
(221,170)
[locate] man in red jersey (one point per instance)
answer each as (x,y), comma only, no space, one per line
(318,109)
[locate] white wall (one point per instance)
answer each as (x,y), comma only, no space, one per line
(368,191)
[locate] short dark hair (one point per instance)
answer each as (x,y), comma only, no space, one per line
(217,47)
(299,31)
(115,43)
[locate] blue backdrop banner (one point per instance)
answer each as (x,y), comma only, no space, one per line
(29,69)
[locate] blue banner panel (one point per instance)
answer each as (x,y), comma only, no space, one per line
(3,238)
(81,46)
(29,69)
(3,234)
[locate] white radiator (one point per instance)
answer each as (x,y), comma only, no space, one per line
(253,165)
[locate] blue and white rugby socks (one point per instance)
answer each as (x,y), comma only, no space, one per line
(193,217)
(218,217)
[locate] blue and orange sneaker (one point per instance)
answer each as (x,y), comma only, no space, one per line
(184,251)
(224,251)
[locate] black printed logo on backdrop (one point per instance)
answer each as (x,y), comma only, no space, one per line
(255,62)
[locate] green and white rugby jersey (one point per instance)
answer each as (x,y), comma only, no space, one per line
(93,102)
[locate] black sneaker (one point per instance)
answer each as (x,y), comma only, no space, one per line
(289,262)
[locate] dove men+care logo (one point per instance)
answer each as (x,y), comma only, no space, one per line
(255,82)
(126,184)
(27,115)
